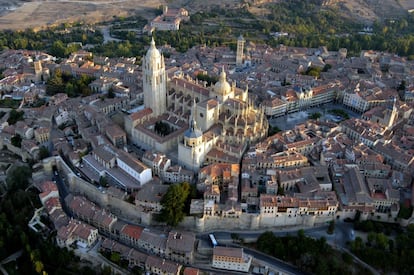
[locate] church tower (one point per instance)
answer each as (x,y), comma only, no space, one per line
(239,53)
(154,81)
(191,152)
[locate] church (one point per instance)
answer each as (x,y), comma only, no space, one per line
(197,124)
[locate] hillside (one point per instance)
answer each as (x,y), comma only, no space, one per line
(17,14)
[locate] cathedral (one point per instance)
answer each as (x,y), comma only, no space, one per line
(200,124)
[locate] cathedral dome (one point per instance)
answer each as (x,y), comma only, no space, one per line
(193,132)
(222,86)
(153,52)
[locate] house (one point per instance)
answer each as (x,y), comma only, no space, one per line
(180,246)
(160,266)
(130,234)
(231,258)
(149,197)
(76,232)
(116,135)
(153,242)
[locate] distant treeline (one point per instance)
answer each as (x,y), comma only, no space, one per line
(305,23)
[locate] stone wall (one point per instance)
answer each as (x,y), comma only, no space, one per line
(16,150)
(124,210)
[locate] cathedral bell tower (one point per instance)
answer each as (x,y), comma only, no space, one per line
(154,81)
(239,52)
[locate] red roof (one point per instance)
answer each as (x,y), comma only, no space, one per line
(132,231)
(48,186)
(140,114)
(191,271)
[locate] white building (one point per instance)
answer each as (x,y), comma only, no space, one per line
(231,259)
(133,167)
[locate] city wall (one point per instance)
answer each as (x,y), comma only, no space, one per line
(16,150)
(78,186)
(246,221)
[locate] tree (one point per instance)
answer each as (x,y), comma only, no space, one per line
(58,49)
(115,257)
(273,130)
(315,115)
(111,93)
(15,116)
(103,181)
(402,86)
(18,178)
(235,237)
(16,140)
(55,84)
(43,153)
(173,203)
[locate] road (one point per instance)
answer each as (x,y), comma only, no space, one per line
(9,259)
(106,35)
(337,240)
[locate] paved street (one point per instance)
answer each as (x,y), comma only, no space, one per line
(338,240)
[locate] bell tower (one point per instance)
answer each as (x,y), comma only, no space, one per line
(154,80)
(239,53)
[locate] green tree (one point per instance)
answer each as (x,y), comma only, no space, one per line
(55,84)
(111,93)
(115,257)
(173,203)
(18,178)
(273,130)
(315,115)
(58,49)
(15,116)
(43,153)
(16,140)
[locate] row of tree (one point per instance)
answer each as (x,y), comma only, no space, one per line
(40,254)
(390,254)
(307,24)
(308,254)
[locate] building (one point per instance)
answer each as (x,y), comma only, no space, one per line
(154,81)
(153,242)
(230,258)
(169,20)
(76,232)
(130,234)
(156,265)
(180,247)
(196,120)
(239,52)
